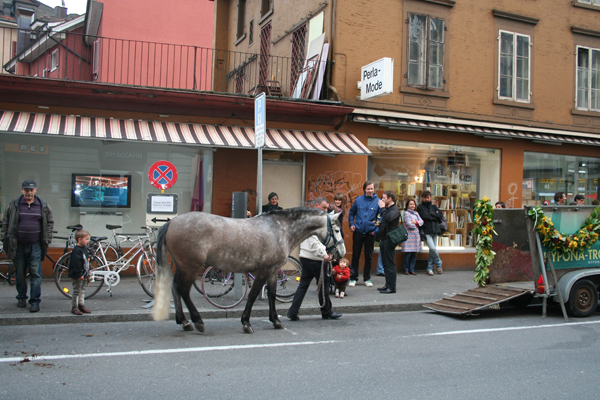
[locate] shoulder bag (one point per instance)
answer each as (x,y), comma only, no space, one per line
(398,235)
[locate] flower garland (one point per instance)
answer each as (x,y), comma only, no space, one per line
(484,227)
(562,243)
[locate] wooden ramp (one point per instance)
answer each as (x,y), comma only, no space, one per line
(476,299)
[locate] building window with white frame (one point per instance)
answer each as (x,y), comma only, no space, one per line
(514,67)
(590,2)
(54,60)
(426,52)
(588,79)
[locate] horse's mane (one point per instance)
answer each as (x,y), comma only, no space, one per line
(293,213)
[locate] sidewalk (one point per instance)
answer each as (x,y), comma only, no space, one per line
(128,301)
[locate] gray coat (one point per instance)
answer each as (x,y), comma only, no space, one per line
(10,226)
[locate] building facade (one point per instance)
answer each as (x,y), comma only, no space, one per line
(494,98)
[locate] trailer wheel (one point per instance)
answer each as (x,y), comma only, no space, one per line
(583,299)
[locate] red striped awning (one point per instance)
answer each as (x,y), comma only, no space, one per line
(177,132)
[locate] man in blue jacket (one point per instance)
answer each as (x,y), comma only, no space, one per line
(362,217)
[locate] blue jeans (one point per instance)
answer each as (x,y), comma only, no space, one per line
(380,263)
(410,260)
(29,258)
(434,257)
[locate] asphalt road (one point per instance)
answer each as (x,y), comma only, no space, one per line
(504,354)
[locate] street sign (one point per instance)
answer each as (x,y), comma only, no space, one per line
(260,120)
(162,175)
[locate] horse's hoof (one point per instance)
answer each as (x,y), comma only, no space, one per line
(199,327)
(277,325)
(248,329)
(187,326)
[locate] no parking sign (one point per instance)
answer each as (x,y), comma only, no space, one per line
(162,175)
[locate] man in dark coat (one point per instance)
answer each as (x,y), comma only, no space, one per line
(26,234)
(390,218)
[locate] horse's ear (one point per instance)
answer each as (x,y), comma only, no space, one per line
(335,216)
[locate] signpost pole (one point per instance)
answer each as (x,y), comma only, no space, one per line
(260,120)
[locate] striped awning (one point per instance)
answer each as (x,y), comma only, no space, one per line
(178,133)
(489,132)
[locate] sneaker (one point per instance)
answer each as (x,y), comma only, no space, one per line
(337,293)
(341,295)
(21,303)
(440,270)
(430,273)
(35,307)
(352,283)
(368,283)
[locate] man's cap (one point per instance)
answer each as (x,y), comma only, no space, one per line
(29,184)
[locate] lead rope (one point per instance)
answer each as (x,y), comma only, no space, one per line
(320,289)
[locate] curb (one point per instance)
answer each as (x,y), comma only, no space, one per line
(145,315)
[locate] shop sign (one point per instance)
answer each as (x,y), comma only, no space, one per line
(545,185)
(377,79)
(162,175)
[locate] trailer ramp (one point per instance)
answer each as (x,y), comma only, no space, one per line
(476,299)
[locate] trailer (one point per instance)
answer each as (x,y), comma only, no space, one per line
(525,268)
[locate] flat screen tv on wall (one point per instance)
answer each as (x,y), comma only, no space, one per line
(101,191)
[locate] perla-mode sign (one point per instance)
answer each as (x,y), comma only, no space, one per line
(376,79)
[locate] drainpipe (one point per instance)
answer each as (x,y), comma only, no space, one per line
(331,33)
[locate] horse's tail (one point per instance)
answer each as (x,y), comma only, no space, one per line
(164,277)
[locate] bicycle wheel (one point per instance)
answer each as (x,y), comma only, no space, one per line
(146,273)
(288,279)
(64,283)
(112,254)
(224,289)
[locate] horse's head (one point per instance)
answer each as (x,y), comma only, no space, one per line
(332,236)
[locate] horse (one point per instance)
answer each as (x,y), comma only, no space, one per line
(259,245)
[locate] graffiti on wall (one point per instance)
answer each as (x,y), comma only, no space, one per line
(512,190)
(328,184)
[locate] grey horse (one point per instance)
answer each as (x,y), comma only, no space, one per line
(259,245)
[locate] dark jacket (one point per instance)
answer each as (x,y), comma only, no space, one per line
(10,226)
(431,216)
(390,218)
(363,212)
(78,265)
(270,207)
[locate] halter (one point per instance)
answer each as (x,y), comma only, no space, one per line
(330,237)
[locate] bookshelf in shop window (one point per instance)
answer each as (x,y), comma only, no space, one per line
(455,195)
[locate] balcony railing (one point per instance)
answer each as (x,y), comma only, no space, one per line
(75,57)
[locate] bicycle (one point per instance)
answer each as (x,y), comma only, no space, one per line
(226,290)
(7,269)
(104,271)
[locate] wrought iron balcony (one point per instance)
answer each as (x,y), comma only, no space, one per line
(76,57)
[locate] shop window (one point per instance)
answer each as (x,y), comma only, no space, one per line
(545,174)
(426,52)
(456,176)
(588,79)
(514,67)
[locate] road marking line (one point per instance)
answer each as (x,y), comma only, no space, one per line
(513,328)
(162,351)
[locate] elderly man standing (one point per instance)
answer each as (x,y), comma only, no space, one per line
(26,233)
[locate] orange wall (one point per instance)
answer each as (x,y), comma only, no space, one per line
(188,22)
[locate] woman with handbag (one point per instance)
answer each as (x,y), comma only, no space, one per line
(410,248)
(432,216)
